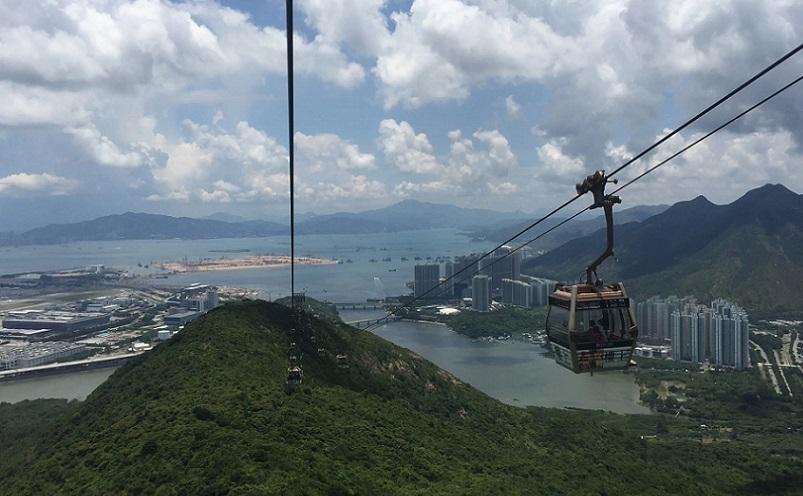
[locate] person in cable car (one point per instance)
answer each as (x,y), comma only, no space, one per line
(591,325)
(595,332)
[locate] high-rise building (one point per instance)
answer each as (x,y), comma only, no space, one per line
(459,274)
(427,277)
(654,316)
(522,294)
(503,263)
(719,333)
(542,288)
(507,290)
(731,336)
(481,293)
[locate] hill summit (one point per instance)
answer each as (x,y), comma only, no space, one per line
(208,413)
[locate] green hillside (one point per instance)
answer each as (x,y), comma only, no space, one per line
(748,265)
(208,413)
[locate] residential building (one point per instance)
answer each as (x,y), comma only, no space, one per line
(427,277)
(481,293)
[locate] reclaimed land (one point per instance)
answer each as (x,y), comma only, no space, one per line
(255,262)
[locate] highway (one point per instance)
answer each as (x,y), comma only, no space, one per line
(767,366)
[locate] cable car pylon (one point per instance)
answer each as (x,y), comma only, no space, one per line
(590,326)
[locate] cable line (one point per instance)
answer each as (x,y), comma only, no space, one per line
(620,168)
(659,164)
(710,108)
(290,140)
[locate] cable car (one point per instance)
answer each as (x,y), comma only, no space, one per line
(591,326)
(342,361)
(294,375)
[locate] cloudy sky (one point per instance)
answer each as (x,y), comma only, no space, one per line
(180,107)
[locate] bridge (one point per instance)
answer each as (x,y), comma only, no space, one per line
(360,306)
(365,323)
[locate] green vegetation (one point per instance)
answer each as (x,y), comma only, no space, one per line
(320,310)
(741,400)
(767,341)
(208,413)
(498,323)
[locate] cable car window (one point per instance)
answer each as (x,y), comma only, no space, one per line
(592,323)
(558,319)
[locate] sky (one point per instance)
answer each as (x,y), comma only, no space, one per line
(180,107)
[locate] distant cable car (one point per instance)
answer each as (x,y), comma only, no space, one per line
(295,375)
(342,361)
(591,326)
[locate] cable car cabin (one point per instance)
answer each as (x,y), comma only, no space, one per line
(342,361)
(294,376)
(591,328)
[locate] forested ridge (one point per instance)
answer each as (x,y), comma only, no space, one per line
(208,413)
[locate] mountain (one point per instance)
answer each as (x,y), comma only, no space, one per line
(572,230)
(208,413)
(131,225)
(750,250)
(224,217)
(403,216)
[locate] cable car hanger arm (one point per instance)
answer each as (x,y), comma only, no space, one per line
(595,183)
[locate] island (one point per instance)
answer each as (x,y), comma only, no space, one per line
(254,262)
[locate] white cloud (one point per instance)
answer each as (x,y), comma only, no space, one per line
(475,169)
(217,165)
(43,183)
(555,164)
(405,149)
(318,153)
(722,168)
(246,165)
(358,23)
(511,106)
(472,166)
(120,46)
(103,150)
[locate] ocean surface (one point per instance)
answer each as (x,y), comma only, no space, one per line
(515,372)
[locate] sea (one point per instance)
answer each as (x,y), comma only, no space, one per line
(514,371)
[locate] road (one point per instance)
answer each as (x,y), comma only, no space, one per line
(767,366)
(797,354)
(780,371)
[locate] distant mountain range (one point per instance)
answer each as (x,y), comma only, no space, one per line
(132,225)
(571,230)
(406,215)
(750,250)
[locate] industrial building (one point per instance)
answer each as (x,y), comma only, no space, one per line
(34,354)
(57,323)
(181,318)
(196,298)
